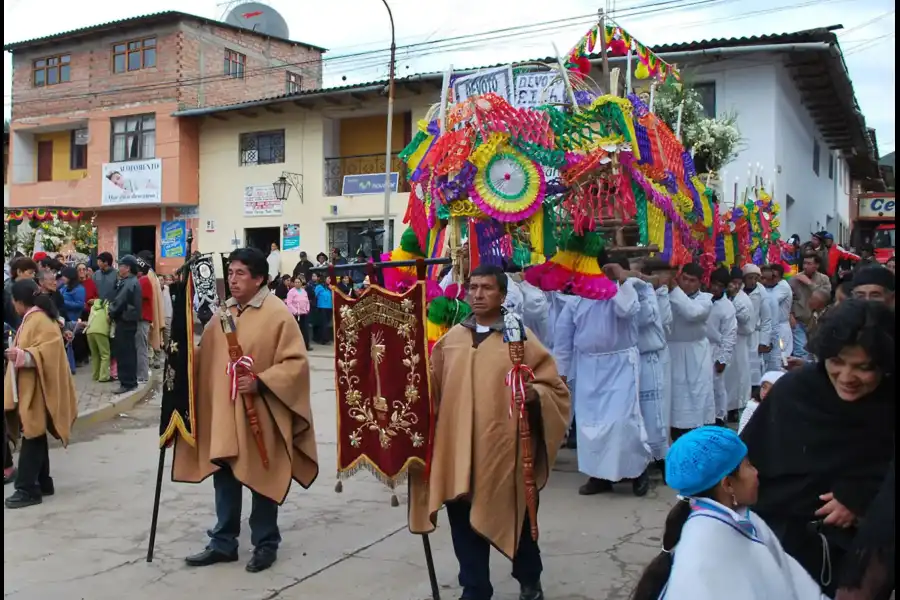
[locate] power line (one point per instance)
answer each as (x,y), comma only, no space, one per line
(862,46)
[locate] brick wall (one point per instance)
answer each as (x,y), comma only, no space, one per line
(267,64)
(189,52)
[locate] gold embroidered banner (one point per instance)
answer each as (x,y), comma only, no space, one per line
(384,410)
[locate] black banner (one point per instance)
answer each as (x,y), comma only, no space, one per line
(177,413)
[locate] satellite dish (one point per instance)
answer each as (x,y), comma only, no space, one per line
(258,17)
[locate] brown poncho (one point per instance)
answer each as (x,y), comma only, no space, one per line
(269,334)
(476,445)
(47,401)
(159,311)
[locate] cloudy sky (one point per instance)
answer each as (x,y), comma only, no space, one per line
(361,28)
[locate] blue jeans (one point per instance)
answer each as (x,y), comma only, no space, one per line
(800,341)
(473,553)
(223,537)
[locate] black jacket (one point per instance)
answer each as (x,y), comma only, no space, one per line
(126,306)
(303,268)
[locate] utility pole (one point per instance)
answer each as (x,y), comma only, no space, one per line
(386,239)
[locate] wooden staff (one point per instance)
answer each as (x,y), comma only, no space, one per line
(515,337)
(236,355)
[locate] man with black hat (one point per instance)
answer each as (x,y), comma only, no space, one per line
(874,283)
(125,311)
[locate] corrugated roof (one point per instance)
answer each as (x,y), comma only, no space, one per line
(164,17)
(820,34)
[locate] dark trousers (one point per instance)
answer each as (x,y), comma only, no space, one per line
(473,553)
(677,433)
(303,322)
(324,329)
(7,446)
(34,466)
(223,537)
(126,353)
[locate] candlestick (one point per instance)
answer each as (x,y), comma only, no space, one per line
(652,95)
(678,122)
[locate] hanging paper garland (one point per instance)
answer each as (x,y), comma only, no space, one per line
(40,214)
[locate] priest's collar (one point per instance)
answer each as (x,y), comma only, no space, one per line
(469,323)
(256,301)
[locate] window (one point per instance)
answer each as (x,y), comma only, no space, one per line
(707,94)
(78,149)
(51,71)
(134,55)
(293,82)
(816,157)
(262,148)
(235,62)
(133,138)
(830,166)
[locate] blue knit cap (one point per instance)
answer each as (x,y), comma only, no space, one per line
(703,457)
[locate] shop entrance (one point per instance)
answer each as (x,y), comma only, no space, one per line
(262,238)
(137,239)
(353,236)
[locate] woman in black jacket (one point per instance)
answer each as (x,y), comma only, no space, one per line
(824,438)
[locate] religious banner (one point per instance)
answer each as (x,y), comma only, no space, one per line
(384,410)
(177,413)
(203,276)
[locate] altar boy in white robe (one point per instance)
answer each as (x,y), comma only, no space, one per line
(693,402)
(782,301)
(737,375)
(651,345)
(596,343)
(721,330)
(660,273)
(762,327)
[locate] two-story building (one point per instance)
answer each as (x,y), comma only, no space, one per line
(92,125)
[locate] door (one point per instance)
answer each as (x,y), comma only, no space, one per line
(45,161)
(124,241)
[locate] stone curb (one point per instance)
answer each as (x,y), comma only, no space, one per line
(122,403)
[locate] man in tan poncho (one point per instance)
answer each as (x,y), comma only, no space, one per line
(278,383)
(476,469)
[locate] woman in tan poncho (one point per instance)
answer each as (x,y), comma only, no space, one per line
(38,392)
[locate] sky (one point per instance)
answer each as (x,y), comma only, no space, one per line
(351,27)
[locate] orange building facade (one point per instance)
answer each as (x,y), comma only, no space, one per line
(92,126)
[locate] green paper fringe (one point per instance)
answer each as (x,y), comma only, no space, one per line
(447,311)
(410,243)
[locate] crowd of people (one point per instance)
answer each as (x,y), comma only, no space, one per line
(111,319)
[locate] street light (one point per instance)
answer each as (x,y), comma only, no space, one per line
(386,242)
(284,184)
(282,187)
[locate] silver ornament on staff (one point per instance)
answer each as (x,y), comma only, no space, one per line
(12,370)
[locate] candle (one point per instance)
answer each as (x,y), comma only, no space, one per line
(678,122)
(652,95)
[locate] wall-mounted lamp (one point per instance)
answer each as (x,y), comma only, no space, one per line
(284,184)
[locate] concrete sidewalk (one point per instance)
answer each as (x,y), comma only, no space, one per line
(89,541)
(98,402)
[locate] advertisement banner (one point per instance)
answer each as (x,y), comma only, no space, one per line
(260,201)
(173,239)
(372,183)
(132,182)
(879,207)
(290,236)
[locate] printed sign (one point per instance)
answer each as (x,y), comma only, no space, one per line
(188,212)
(535,89)
(290,236)
(132,182)
(260,201)
(361,185)
(880,207)
(173,239)
(491,81)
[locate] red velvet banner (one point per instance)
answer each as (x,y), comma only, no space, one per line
(384,411)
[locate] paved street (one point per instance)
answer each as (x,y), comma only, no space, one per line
(94,396)
(89,541)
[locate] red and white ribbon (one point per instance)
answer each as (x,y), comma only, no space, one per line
(235,369)
(516,379)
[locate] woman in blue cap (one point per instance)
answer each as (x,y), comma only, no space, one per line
(714,547)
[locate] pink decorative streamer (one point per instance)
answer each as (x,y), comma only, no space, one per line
(516,379)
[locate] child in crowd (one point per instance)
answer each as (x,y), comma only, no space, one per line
(713,546)
(765,384)
(324,305)
(297,302)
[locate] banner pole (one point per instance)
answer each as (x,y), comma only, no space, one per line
(154,520)
(429,562)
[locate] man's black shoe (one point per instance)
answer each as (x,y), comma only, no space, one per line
(641,485)
(124,390)
(21,499)
(531,592)
(261,560)
(47,488)
(210,557)
(595,486)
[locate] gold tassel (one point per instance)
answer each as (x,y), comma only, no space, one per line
(339,486)
(395,502)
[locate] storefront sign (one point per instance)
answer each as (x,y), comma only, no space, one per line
(260,201)
(132,182)
(173,239)
(188,212)
(290,236)
(361,185)
(490,81)
(880,207)
(538,88)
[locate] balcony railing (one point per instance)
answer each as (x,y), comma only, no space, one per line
(362,164)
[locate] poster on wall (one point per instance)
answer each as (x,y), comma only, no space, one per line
(260,201)
(173,239)
(132,182)
(489,81)
(537,88)
(290,236)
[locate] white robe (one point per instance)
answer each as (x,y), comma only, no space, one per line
(715,560)
(762,327)
(514,301)
(535,311)
(737,375)
(693,402)
(665,315)
(274,261)
(782,301)
(651,344)
(721,330)
(596,343)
